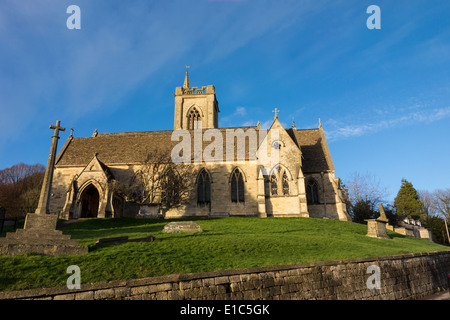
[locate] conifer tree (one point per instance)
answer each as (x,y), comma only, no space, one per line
(407,202)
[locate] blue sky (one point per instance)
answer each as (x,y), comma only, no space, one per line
(383,96)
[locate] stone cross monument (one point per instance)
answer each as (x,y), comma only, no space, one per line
(48,176)
(39,234)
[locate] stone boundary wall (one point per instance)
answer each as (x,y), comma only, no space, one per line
(408,276)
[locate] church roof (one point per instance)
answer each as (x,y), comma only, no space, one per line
(133,148)
(312,143)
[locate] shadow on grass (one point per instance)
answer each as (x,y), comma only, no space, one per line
(106,223)
(101,246)
(7,281)
(397,235)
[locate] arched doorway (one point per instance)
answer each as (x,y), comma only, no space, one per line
(89,202)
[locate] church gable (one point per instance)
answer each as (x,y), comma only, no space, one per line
(279,148)
(289,151)
(96,168)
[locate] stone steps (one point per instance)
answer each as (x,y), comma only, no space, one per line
(40,236)
(36,241)
(45,249)
(36,236)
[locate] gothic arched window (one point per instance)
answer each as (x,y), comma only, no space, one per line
(312,192)
(203,188)
(273,185)
(237,186)
(278,182)
(285,183)
(193,118)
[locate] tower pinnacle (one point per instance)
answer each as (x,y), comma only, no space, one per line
(186,79)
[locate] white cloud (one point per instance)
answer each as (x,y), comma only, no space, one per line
(266,124)
(232,118)
(346,131)
(240,111)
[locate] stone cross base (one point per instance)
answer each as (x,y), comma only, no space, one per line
(377,229)
(40,236)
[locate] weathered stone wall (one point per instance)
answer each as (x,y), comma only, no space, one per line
(407,276)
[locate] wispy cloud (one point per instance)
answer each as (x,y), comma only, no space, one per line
(231,119)
(339,131)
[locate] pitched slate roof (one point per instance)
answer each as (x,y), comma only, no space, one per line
(315,152)
(133,148)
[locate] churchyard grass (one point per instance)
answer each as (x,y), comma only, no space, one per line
(223,244)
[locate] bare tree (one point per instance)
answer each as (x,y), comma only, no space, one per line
(364,192)
(19,172)
(20,188)
(429,201)
(365,187)
(442,202)
(159,181)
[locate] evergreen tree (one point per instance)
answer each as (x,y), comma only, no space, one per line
(362,210)
(407,202)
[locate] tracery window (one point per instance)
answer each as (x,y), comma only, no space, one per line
(194,118)
(273,185)
(285,183)
(237,186)
(312,192)
(279,182)
(203,188)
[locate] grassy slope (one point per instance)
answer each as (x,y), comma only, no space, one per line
(223,244)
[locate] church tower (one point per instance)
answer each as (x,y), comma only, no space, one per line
(195,105)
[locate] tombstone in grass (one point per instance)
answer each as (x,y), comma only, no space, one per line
(39,234)
(376,228)
(181,226)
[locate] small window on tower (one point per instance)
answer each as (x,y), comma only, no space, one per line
(193,118)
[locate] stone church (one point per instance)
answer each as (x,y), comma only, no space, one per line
(300,184)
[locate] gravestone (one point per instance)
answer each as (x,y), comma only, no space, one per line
(39,234)
(181,226)
(149,211)
(425,234)
(376,228)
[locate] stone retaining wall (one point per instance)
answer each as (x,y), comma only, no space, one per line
(408,276)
